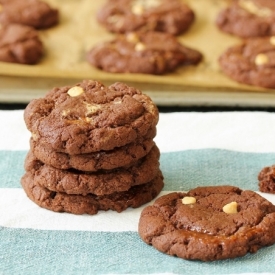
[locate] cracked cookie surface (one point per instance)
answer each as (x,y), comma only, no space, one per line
(248,18)
(91,162)
(91,204)
(266,179)
(170,16)
(20,44)
(90,117)
(209,227)
(33,13)
(99,183)
(142,52)
(251,62)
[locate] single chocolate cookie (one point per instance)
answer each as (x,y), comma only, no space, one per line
(20,44)
(91,162)
(33,13)
(209,223)
(248,18)
(170,16)
(143,52)
(266,179)
(99,183)
(251,62)
(91,204)
(90,117)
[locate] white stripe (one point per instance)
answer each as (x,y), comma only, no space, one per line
(20,212)
(14,134)
(239,131)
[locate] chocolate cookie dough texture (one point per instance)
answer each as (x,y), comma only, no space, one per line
(209,223)
(266,179)
(248,18)
(251,62)
(92,149)
(122,16)
(33,13)
(142,52)
(20,44)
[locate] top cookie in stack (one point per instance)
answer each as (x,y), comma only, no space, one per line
(92,149)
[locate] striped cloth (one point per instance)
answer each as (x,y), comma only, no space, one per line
(197,149)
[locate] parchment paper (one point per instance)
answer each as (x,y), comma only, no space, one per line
(67,43)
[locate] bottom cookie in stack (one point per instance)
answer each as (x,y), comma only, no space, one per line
(81,192)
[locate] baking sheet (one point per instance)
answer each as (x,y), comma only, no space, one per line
(67,43)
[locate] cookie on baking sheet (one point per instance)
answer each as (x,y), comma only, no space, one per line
(142,52)
(170,16)
(209,223)
(252,62)
(248,18)
(91,204)
(266,179)
(35,13)
(20,44)
(91,117)
(99,183)
(90,162)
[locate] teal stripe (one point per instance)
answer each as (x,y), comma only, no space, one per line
(71,252)
(182,170)
(74,252)
(187,169)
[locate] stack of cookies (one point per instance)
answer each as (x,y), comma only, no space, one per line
(92,149)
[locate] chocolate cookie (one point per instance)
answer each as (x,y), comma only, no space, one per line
(121,16)
(90,117)
(209,223)
(91,204)
(147,53)
(99,183)
(90,162)
(34,13)
(248,18)
(251,62)
(266,179)
(20,44)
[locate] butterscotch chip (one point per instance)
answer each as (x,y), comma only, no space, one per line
(261,59)
(251,62)
(248,18)
(91,204)
(230,208)
(75,91)
(203,231)
(188,200)
(100,119)
(34,13)
(272,40)
(154,53)
(137,9)
(140,47)
(170,16)
(20,44)
(132,37)
(99,183)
